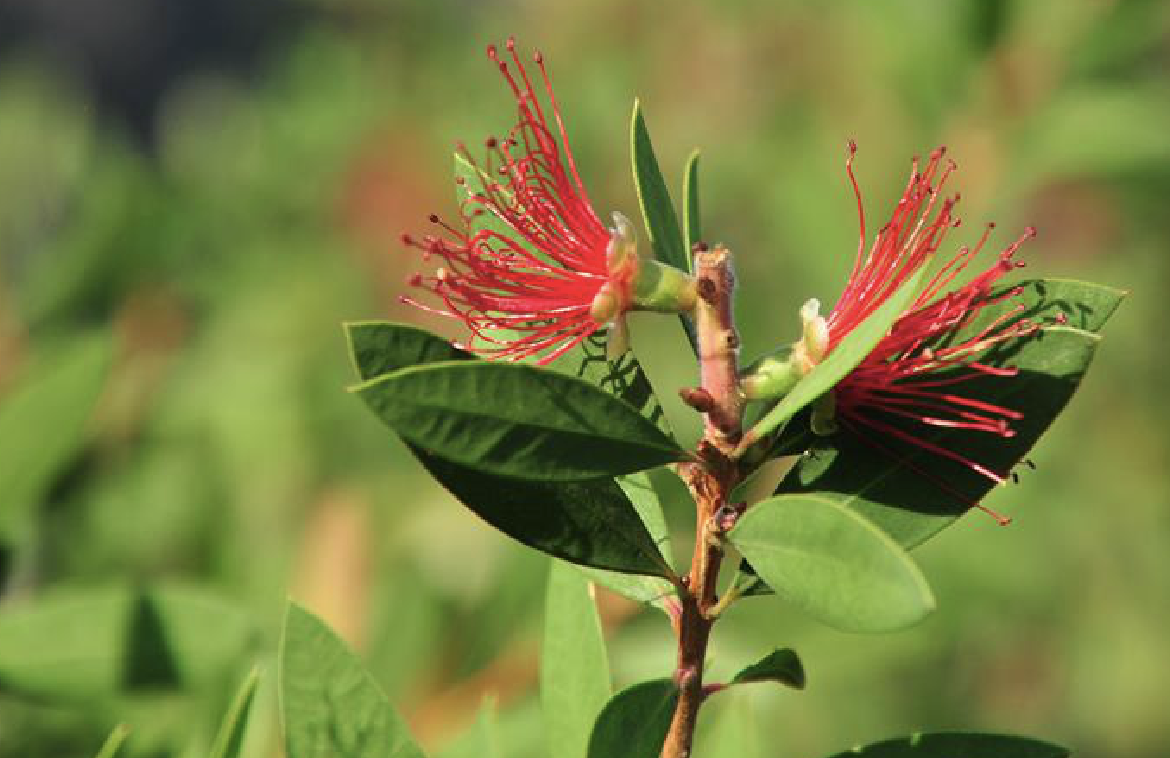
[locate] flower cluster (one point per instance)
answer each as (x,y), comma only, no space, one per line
(919,369)
(530,269)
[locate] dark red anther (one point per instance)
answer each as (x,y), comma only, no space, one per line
(490,143)
(492,52)
(511,44)
(1061,318)
(408,240)
(414,280)
(434,218)
(538,58)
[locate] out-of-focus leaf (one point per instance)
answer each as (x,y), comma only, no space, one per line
(635,722)
(913,494)
(781,666)
(230,738)
(574,667)
(851,351)
(517,421)
(587,523)
(657,207)
(114,742)
(330,705)
(832,563)
(957,745)
(42,423)
(81,644)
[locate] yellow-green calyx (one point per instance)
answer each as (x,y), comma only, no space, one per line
(773,376)
(637,282)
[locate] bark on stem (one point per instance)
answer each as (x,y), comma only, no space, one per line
(710,481)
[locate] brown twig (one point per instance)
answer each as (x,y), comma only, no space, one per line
(710,479)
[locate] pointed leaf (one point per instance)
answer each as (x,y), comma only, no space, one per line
(692,222)
(114,742)
(833,564)
(588,523)
(657,207)
(635,722)
(782,666)
(844,358)
(958,745)
(331,707)
(574,668)
(517,421)
(913,494)
(230,739)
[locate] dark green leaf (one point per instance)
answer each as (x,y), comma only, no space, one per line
(782,666)
(230,739)
(911,493)
(844,358)
(330,705)
(82,644)
(692,221)
(957,745)
(574,668)
(114,742)
(657,207)
(832,563)
(517,421)
(588,523)
(635,722)
(51,406)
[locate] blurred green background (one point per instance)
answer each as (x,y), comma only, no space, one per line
(193,196)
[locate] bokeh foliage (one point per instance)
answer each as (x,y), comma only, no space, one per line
(186,286)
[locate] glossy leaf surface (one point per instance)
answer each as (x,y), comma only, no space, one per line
(517,421)
(635,722)
(781,666)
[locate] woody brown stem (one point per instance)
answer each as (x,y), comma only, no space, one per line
(710,481)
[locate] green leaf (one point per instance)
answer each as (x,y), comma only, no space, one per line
(587,523)
(635,722)
(331,707)
(892,490)
(657,207)
(43,423)
(517,421)
(76,645)
(574,668)
(782,666)
(114,742)
(832,563)
(958,745)
(230,739)
(844,358)
(691,219)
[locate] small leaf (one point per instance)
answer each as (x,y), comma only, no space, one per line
(517,421)
(692,221)
(587,523)
(782,666)
(851,351)
(657,207)
(958,745)
(635,722)
(833,564)
(574,668)
(891,490)
(230,739)
(330,705)
(114,742)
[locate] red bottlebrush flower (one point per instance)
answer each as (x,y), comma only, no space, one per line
(917,372)
(550,273)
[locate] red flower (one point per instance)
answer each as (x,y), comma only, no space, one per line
(550,273)
(916,373)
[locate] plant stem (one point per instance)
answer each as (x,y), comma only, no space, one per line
(711,481)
